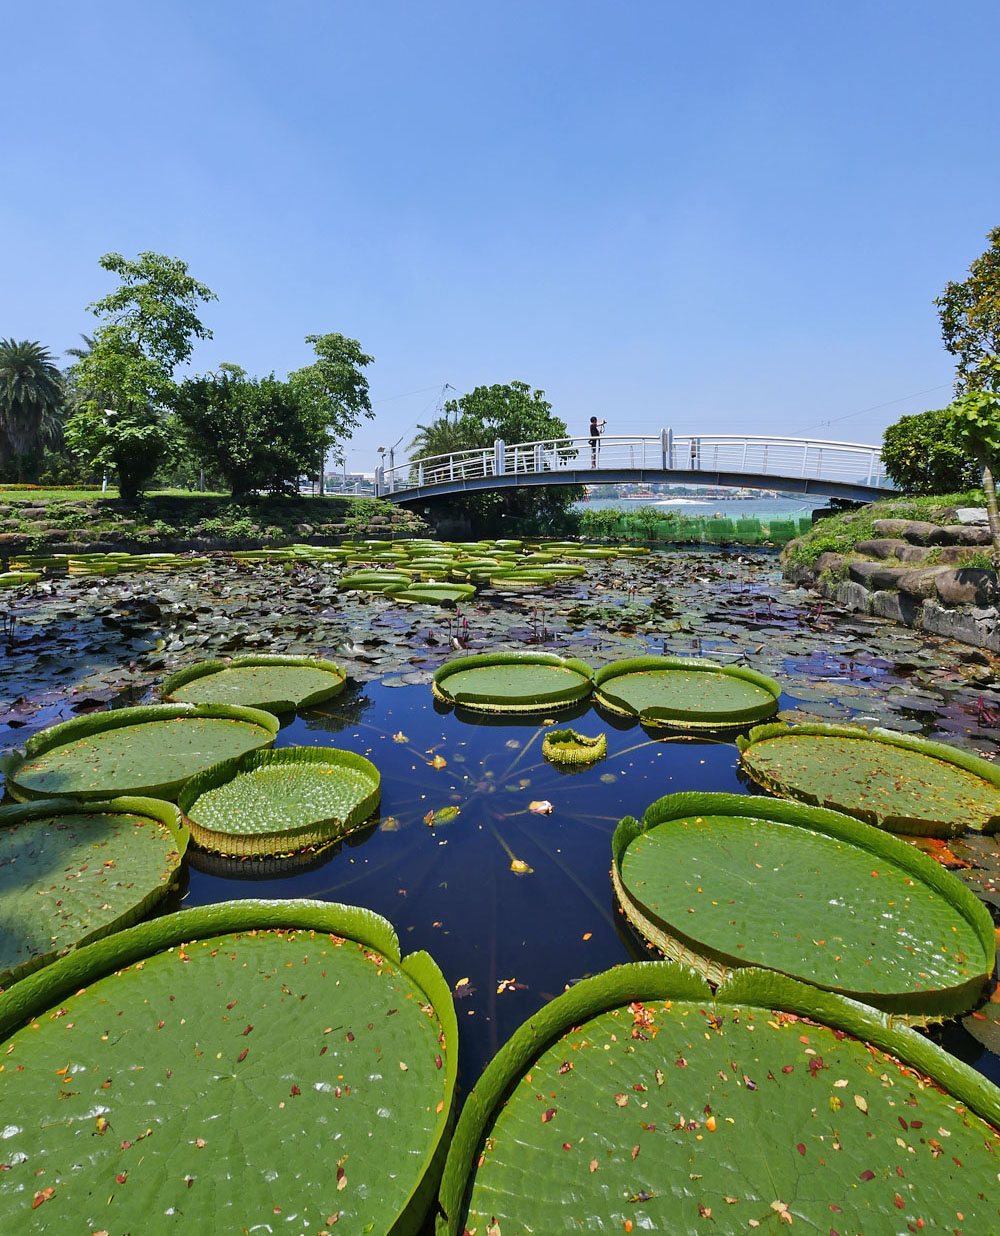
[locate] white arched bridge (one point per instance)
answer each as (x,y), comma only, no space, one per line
(794,465)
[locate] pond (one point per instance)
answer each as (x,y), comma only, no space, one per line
(512,899)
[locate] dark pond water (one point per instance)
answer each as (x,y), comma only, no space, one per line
(506,942)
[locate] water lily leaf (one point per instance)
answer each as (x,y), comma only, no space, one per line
(241,1033)
(641,1077)
(899,782)
(274,683)
(512,682)
(686,692)
(73,872)
(719,881)
(279,802)
(147,751)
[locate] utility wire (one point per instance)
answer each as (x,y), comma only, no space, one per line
(407,394)
(875,407)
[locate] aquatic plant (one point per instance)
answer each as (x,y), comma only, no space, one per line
(513,681)
(638,1100)
(686,692)
(148,751)
(897,781)
(279,802)
(274,683)
(72,872)
(718,881)
(289,1039)
(568,747)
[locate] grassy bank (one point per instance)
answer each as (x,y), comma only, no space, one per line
(840,534)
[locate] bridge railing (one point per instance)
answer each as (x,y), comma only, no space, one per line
(815,458)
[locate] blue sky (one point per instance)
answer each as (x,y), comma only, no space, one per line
(725,218)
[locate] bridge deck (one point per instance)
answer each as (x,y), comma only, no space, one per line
(796,465)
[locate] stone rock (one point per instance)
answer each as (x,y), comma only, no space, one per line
(955,555)
(853,596)
(890,527)
(829,561)
(896,606)
(960,534)
(968,586)
(920,583)
(919,532)
(875,575)
(884,547)
(972,515)
(913,553)
(962,625)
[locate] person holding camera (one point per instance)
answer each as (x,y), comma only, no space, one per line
(596,429)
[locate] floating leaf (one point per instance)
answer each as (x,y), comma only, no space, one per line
(520,867)
(540,806)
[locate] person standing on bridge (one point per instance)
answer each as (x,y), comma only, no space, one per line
(596,429)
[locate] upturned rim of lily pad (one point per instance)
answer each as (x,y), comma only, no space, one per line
(46,988)
(686,718)
(569,747)
(680,943)
(647,981)
(568,694)
(18,814)
(66,732)
(910,825)
(210,669)
(280,841)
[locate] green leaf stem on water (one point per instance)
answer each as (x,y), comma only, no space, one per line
(512,681)
(683,691)
(277,802)
(720,880)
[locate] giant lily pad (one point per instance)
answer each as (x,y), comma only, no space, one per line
(513,681)
(570,748)
(225,1066)
(277,802)
(149,751)
(724,880)
(637,1101)
(71,872)
(897,781)
(274,683)
(686,692)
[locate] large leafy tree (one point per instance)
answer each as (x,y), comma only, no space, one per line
(332,395)
(147,328)
(970,321)
(976,423)
(253,432)
(512,412)
(31,399)
(922,455)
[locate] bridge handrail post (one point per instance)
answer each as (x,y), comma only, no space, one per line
(392,470)
(379,482)
(667,448)
(499,461)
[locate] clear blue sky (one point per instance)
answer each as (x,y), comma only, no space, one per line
(728,218)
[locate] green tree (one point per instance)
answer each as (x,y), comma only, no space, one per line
(31,399)
(922,455)
(332,395)
(970,321)
(147,327)
(976,420)
(253,432)
(514,413)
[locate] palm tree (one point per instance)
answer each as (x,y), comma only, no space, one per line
(442,436)
(31,395)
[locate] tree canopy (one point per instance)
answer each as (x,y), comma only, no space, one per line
(512,412)
(921,454)
(970,321)
(147,327)
(31,397)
